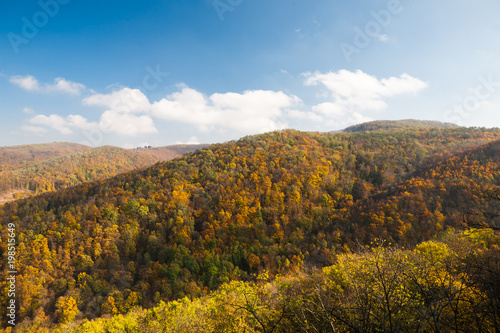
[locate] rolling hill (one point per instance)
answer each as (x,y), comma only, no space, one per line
(397,125)
(167,153)
(275,203)
(34,169)
(18,156)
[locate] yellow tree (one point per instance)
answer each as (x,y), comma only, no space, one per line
(66,309)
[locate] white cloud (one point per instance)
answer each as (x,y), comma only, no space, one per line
(126,124)
(64,86)
(80,122)
(339,117)
(330,109)
(63,125)
(124,100)
(54,121)
(60,85)
(28,110)
(125,111)
(304,115)
(121,117)
(110,122)
(27,82)
(363,91)
(251,112)
(354,92)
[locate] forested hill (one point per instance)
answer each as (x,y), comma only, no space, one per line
(34,169)
(17,156)
(273,202)
(397,125)
(167,153)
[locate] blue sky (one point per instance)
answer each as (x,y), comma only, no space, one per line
(130,73)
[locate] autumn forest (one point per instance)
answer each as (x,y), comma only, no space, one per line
(382,227)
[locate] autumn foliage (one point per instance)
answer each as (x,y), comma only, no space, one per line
(283,203)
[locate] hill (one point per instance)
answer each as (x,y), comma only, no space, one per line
(18,156)
(275,203)
(35,169)
(397,125)
(168,153)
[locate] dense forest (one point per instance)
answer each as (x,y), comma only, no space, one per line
(34,169)
(448,284)
(17,156)
(397,125)
(276,207)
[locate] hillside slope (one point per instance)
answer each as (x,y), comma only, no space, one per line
(445,285)
(397,125)
(167,153)
(35,169)
(18,156)
(274,202)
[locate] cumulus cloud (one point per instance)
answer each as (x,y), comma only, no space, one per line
(122,114)
(60,85)
(355,92)
(253,111)
(250,112)
(53,121)
(63,125)
(126,124)
(361,90)
(346,99)
(28,82)
(110,122)
(119,118)
(123,100)
(304,115)
(64,86)
(339,117)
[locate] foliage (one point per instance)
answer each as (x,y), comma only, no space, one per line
(379,289)
(35,169)
(277,202)
(380,125)
(17,156)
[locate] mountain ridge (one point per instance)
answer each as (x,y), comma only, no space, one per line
(397,125)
